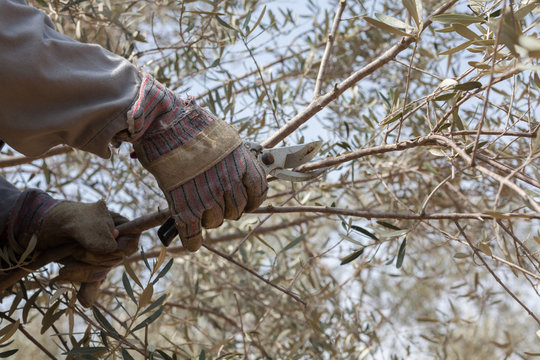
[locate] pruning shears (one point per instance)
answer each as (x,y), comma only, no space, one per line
(278,162)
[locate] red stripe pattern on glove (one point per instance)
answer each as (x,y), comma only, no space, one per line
(26,217)
(161,123)
(166,121)
(225,191)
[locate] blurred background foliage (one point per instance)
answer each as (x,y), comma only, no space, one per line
(373,286)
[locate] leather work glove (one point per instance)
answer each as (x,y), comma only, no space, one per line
(90,268)
(197,160)
(88,228)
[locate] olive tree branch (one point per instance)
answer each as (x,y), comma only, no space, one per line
(14,160)
(368,214)
(223,238)
(479,256)
(243,267)
(28,336)
(322,101)
(507,170)
(328,49)
(485,171)
(428,140)
(489,85)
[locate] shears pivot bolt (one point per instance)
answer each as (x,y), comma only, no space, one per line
(267,158)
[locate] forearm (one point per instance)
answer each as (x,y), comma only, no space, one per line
(55,90)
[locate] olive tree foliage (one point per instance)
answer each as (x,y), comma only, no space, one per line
(420,240)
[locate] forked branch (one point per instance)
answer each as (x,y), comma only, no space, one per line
(321,102)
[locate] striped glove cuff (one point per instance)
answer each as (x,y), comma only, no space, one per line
(26,217)
(159,121)
(168,130)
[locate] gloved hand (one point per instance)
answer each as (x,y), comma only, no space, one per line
(197,160)
(88,228)
(90,268)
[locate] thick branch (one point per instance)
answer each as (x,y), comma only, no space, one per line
(229,237)
(336,160)
(320,102)
(145,222)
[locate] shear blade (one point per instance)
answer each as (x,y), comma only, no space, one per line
(301,156)
(295,176)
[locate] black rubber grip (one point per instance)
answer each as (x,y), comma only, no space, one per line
(167,232)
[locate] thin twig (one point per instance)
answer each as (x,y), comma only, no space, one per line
(241,325)
(266,89)
(406,90)
(479,256)
(514,172)
(328,49)
(489,173)
(336,160)
(531,135)
(507,170)
(196,309)
(488,89)
(275,302)
(530,255)
(434,191)
(29,336)
(472,93)
(14,160)
(228,258)
(423,71)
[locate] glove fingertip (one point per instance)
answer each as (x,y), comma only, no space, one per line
(254,180)
(255,201)
(190,233)
(88,293)
(192,243)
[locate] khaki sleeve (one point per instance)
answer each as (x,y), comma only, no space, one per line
(55,90)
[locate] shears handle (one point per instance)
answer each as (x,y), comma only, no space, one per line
(167,232)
